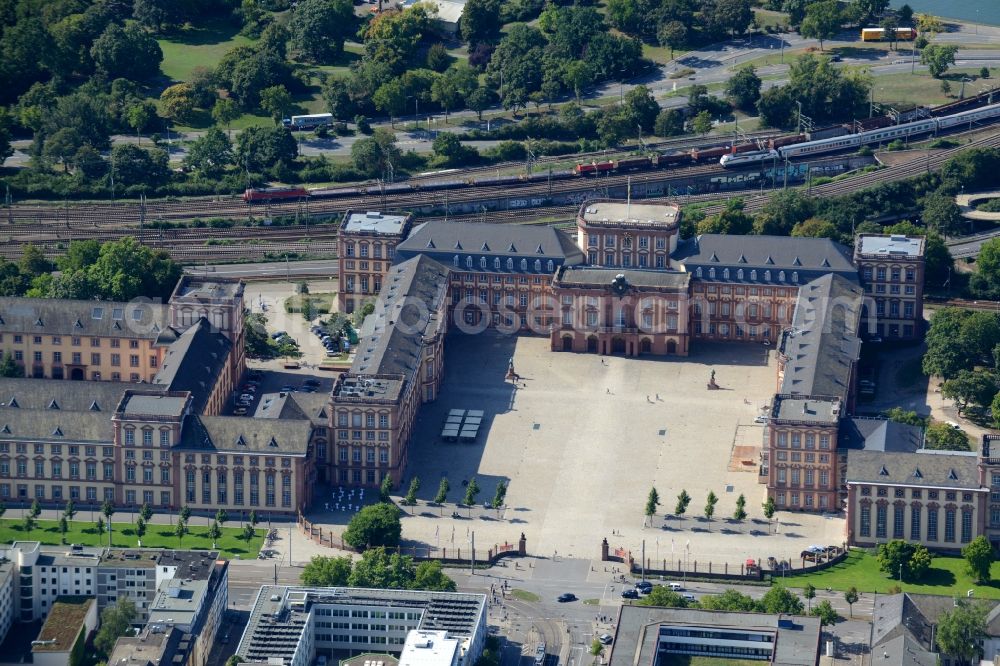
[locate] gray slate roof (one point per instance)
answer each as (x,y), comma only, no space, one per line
(875,434)
(193,362)
(143,404)
(913,616)
(822,342)
(940,469)
(602,277)
(904,651)
(69,318)
(63,395)
(443,240)
(58,426)
(236,434)
(410,291)
(811,257)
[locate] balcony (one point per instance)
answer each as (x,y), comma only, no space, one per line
(618,329)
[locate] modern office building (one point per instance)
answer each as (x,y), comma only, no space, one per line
(299,624)
(153,646)
(653,635)
(8,595)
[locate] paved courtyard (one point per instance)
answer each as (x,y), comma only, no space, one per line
(583,438)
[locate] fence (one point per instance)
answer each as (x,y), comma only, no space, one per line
(458,556)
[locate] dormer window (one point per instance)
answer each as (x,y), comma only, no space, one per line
(468,262)
(496,263)
(510,264)
(781,276)
(455,261)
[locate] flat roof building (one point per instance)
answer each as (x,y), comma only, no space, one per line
(651,635)
(62,638)
(297,624)
(153,647)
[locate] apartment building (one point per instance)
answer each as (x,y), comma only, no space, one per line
(128,573)
(153,646)
(367,246)
(299,624)
(8,606)
(892,272)
(193,599)
(43,575)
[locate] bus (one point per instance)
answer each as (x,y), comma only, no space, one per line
(308,122)
(878,34)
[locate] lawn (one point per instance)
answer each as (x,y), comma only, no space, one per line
(201,46)
(946,576)
(157,536)
(524,595)
(320,303)
(921,88)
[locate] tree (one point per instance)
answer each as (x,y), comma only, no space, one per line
(480,21)
(669,122)
(252,518)
(108,509)
(942,437)
(99,526)
(210,153)
(156,15)
(180,529)
(390,98)
(438,58)
(375,525)
(978,555)
(326,571)
(809,593)
(779,600)
(851,597)
(769,509)
(377,568)
(260,147)
(930,24)
(961,631)
(373,155)
(127,52)
(411,493)
(643,107)
(430,576)
(480,99)
(938,58)
(867,10)
(825,612)
(442,491)
(730,600)
(225,111)
(900,415)
(732,15)
(9,367)
(822,21)
(471,490)
(116,620)
(140,529)
(652,501)
(249,533)
(903,560)
(214,532)
(500,496)
(29,524)
(385,489)
(673,35)
(138,116)
(743,88)
(942,214)
(702,123)
(776,107)
(185,513)
(740,514)
(664,596)
(977,387)
(683,500)
(275,100)
(63,527)
(70,510)
(317,28)
(710,503)
(177,102)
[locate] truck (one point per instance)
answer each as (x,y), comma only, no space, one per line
(308,122)
(878,34)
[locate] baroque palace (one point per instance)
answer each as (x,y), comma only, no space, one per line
(151,429)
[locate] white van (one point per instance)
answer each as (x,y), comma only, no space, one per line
(675,587)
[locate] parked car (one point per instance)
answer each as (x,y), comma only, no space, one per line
(566,596)
(311,382)
(605,639)
(675,587)
(287,388)
(630,593)
(644,586)
(240,411)
(688,596)
(760,418)
(278,335)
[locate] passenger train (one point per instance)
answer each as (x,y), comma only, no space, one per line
(848,141)
(729,156)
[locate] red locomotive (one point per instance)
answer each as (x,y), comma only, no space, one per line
(254,195)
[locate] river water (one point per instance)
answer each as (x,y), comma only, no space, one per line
(978,11)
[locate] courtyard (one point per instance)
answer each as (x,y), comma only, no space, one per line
(581,440)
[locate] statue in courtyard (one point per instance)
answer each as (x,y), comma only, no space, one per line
(712,386)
